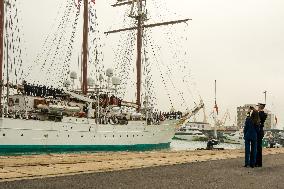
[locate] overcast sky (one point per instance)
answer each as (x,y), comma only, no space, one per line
(238,43)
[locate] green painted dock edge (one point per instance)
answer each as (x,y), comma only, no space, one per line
(19,149)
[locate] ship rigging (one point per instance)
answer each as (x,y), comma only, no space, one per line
(48,117)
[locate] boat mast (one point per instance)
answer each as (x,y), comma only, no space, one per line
(139,54)
(140,17)
(1,51)
(85,47)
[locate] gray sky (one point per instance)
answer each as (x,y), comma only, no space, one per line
(238,43)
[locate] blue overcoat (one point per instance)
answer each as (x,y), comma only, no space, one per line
(250,130)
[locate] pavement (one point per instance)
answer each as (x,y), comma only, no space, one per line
(227,174)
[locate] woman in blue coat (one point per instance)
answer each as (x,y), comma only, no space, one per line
(250,135)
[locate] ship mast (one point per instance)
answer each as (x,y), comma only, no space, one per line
(139,53)
(1,51)
(140,16)
(85,47)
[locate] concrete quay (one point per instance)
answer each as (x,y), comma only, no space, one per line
(181,169)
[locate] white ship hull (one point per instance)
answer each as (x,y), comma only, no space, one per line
(76,132)
(190,134)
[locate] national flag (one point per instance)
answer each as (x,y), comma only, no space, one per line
(216,108)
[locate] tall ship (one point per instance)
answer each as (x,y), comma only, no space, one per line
(40,117)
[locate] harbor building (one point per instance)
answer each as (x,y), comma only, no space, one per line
(242,114)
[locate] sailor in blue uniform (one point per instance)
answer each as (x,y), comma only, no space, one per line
(260,134)
(250,136)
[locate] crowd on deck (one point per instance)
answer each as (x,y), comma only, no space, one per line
(172,115)
(41,90)
(44,91)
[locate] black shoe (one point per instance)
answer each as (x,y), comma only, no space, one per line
(245,166)
(252,166)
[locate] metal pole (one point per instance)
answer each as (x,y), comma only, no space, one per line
(215,92)
(7,68)
(215,121)
(1,53)
(98,101)
(265,93)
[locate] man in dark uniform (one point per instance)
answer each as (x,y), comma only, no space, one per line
(25,87)
(260,134)
(250,135)
(29,89)
(43,91)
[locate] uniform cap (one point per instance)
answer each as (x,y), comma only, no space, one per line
(261,104)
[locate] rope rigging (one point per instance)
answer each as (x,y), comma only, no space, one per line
(13,44)
(124,58)
(65,68)
(53,62)
(96,57)
(60,51)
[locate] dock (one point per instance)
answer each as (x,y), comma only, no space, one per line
(80,168)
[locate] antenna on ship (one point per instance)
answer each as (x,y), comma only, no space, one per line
(265,95)
(1,53)
(141,17)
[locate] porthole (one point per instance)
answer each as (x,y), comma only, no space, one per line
(22,134)
(68,136)
(120,136)
(4,134)
(105,136)
(113,136)
(82,136)
(133,136)
(127,135)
